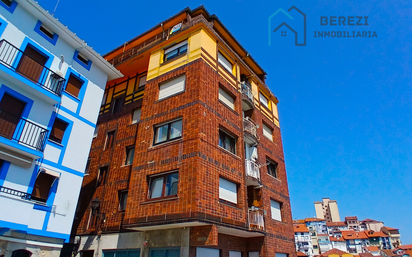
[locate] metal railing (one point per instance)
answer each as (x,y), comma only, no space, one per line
(250,127)
(16,60)
(23,131)
(255,217)
(22,195)
(247,91)
(252,169)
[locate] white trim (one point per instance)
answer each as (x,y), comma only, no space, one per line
(50,172)
(30,242)
(168,50)
(225,62)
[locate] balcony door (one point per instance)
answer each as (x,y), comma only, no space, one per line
(31,64)
(11,110)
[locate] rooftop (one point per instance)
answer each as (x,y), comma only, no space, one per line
(334,251)
(354,235)
(300,228)
(372,248)
(336,224)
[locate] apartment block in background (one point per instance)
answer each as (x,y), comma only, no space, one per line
(51,85)
(188,157)
(328,210)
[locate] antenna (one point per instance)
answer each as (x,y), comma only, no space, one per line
(55,7)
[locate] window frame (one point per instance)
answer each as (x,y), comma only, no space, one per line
(117,100)
(110,133)
(121,195)
(87,65)
(103,180)
(53,178)
(225,91)
(52,138)
(276,164)
(237,192)
(74,76)
(169,124)
(151,178)
(129,149)
(280,210)
(261,95)
(178,47)
(43,31)
(264,124)
(222,63)
(159,98)
(229,135)
(133,113)
(10,8)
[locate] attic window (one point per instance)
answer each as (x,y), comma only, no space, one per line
(46,31)
(8,2)
(82,59)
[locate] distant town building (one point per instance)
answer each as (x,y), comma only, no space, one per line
(327,210)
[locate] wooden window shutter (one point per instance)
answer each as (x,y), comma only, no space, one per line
(42,187)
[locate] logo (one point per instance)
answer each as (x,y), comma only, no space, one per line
(288,24)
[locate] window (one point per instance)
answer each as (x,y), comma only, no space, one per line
(117,104)
(253,254)
(165,252)
(226,98)
(175,51)
(142,81)
(58,129)
(168,131)
(272,168)
(11,110)
(129,155)
(172,87)
(227,190)
(227,142)
(7,2)
(235,254)
(46,32)
(122,200)
(120,253)
(21,253)
(74,85)
(109,140)
(275,210)
(281,255)
(224,62)
(82,60)
(96,131)
(101,176)
(44,182)
(207,252)
(267,132)
(86,170)
(264,100)
(136,115)
(163,185)
(32,63)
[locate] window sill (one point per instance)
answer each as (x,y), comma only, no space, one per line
(266,108)
(237,114)
(173,59)
(42,207)
(166,143)
(71,96)
(274,177)
(227,151)
(126,165)
(160,200)
(55,143)
(233,205)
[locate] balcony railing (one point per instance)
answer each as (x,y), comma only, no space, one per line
(247,91)
(250,127)
(23,131)
(252,169)
(255,217)
(22,195)
(16,60)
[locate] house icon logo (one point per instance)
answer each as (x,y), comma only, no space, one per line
(288,24)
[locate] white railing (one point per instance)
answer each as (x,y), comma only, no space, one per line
(250,127)
(252,169)
(246,91)
(255,217)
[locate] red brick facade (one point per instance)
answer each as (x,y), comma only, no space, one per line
(199,161)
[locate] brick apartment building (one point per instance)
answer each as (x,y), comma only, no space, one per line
(187,158)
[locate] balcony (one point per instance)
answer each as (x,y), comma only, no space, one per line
(252,173)
(44,78)
(247,96)
(255,217)
(21,141)
(15,193)
(250,129)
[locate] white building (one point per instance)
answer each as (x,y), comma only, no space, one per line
(303,240)
(51,86)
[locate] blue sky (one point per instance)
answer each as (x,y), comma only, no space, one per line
(345,103)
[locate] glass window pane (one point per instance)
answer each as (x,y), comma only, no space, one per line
(156,187)
(134,253)
(171,184)
(183,50)
(171,55)
(161,133)
(130,155)
(173,253)
(176,129)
